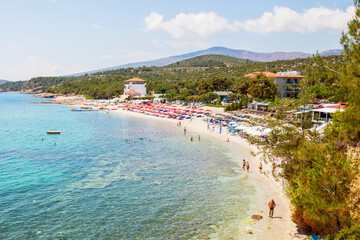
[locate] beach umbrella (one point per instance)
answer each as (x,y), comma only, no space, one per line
(208,110)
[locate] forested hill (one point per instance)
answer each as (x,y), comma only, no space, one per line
(219,64)
(3,81)
(179,76)
(211,60)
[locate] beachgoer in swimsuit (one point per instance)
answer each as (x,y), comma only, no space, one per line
(191,138)
(227,140)
(260,168)
(244,164)
(247,166)
(271,205)
(199,138)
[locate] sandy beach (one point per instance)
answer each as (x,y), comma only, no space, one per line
(279,227)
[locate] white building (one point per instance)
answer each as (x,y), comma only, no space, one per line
(288,83)
(135,87)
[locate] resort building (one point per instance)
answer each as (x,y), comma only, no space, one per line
(135,87)
(223,95)
(287,82)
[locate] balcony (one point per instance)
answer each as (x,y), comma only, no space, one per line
(292,90)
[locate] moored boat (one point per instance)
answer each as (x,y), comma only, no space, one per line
(53,132)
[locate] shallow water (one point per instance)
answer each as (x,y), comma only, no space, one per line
(97,183)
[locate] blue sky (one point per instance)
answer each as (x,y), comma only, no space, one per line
(60,37)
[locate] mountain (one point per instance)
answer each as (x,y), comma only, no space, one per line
(331,52)
(244,54)
(3,81)
(210,60)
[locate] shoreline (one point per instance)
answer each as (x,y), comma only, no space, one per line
(267,188)
(279,227)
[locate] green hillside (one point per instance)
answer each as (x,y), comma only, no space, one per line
(211,60)
(192,76)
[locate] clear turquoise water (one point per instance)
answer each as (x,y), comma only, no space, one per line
(94,185)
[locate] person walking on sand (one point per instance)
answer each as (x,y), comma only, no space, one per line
(247,166)
(260,168)
(191,138)
(273,166)
(184,130)
(271,205)
(244,164)
(199,138)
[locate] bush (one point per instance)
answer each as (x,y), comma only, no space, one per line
(233,106)
(352,233)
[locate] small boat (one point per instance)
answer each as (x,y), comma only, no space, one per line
(53,132)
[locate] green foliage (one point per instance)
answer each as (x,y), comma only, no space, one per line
(352,233)
(320,170)
(160,88)
(232,106)
(12,86)
(262,87)
(185,77)
(104,87)
(322,80)
(211,60)
(215,105)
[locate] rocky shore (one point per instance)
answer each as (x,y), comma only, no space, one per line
(65,99)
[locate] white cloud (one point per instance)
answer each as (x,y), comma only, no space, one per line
(281,19)
(284,19)
(189,25)
(96,26)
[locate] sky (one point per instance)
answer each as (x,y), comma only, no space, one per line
(61,37)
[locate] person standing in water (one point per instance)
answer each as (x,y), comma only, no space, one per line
(244,164)
(191,138)
(271,205)
(247,166)
(199,138)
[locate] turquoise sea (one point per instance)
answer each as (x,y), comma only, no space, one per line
(97,183)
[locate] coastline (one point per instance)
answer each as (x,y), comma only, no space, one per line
(279,227)
(267,188)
